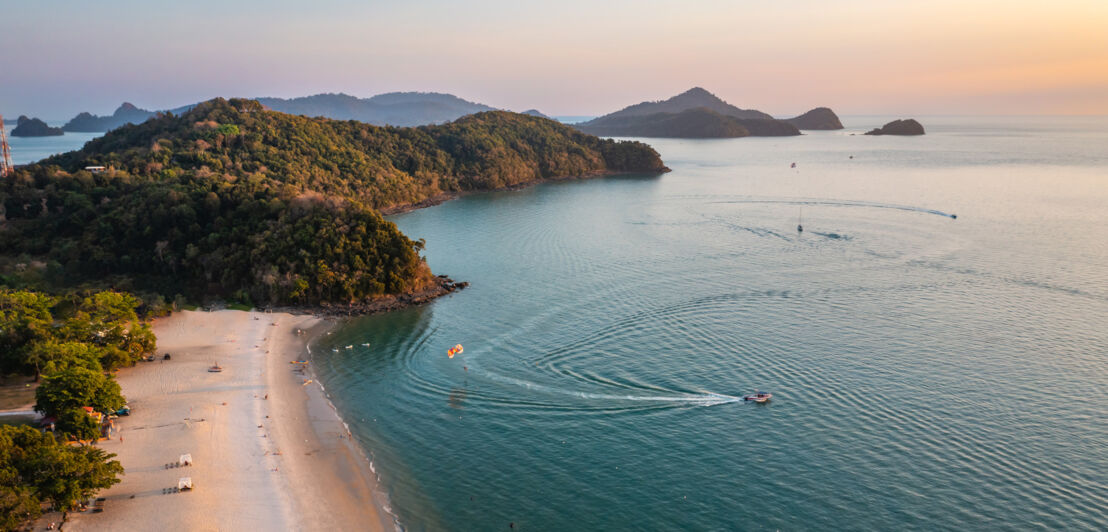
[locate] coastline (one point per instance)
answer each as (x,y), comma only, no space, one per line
(439,199)
(269,450)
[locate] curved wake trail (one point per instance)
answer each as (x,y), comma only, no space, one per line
(686,399)
(845,203)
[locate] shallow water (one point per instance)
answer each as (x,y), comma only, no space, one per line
(927,372)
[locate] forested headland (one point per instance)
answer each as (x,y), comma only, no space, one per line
(225,201)
(234,201)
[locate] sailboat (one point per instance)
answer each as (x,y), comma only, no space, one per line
(799,221)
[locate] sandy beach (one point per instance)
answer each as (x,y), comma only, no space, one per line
(269,452)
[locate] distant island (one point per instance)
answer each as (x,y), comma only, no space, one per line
(898,127)
(393,109)
(230,200)
(535,112)
(697,113)
(33,127)
(125,114)
(699,122)
(820,118)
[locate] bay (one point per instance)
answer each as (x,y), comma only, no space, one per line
(927,371)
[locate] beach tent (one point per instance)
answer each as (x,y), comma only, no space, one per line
(184,460)
(185,483)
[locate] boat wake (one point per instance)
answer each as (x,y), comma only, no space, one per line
(843,203)
(677,398)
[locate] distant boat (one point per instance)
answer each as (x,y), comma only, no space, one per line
(216,368)
(366,344)
(350,347)
(793,165)
(758,397)
(799,221)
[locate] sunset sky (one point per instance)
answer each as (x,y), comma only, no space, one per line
(568,57)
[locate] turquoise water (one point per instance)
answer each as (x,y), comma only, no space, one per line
(927,372)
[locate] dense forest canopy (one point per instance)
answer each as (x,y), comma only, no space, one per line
(232,200)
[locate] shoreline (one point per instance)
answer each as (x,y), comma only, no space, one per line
(444,197)
(269,449)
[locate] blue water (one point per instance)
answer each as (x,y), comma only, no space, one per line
(26,150)
(927,372)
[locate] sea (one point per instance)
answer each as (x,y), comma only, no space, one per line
(27,150)
(935,340)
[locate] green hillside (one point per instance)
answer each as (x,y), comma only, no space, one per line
(232,200)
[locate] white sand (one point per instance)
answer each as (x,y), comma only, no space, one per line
(282,463)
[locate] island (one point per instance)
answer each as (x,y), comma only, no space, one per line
(404,109)
(700,122)
(127,113)
(820,118)
(535,112)
(697,113)
(33,127)
(899,127)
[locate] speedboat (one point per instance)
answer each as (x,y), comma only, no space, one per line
(758,397)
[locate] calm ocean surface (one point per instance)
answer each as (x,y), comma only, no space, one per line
(927,372)
(26,150)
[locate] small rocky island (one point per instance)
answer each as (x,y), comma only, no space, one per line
(33,127)
(820,118)
(898,127)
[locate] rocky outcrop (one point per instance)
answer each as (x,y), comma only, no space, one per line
(33,127)
(820,118)
(898,127)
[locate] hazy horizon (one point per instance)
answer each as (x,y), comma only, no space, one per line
(859,57)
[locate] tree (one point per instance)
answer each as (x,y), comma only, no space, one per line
(51,356)
(34,466)
(77,387)
(18,503)
(24,317)
(77,424)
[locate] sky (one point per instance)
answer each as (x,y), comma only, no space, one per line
(566,57)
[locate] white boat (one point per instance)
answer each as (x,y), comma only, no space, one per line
(758,397)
